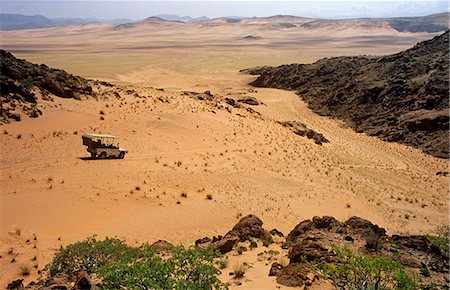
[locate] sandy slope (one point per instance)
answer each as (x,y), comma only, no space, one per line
(248,162)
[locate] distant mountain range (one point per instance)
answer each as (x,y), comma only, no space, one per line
(184,18)
(431,23)
(19,21)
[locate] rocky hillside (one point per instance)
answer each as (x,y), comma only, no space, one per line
(355,254)
(401,97)
(22,83)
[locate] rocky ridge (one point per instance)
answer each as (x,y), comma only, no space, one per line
(400,98)
(24,84)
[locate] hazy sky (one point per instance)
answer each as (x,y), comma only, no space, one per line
(142,9)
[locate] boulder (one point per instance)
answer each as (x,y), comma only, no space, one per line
(363,227)
(291,276)
(275,269)
(248,227)
(225,245)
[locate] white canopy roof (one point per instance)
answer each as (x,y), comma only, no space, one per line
(92,136)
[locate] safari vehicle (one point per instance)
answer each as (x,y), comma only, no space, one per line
(103,146)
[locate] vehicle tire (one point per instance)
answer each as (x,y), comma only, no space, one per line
(103,155)
(93,155)
(122,155)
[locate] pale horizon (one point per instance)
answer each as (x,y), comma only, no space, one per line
(137,10)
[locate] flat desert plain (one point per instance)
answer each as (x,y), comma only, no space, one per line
(182,149)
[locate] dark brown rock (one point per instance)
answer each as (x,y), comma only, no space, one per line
(364,227)
(275,269)
(299,229)
(161,245)
(309,249)
(83,281)
(275,232)
(291,276)
(225,245)
(325,222)
(248,100)
(15,285)
(203,241)
(248,227)
(60,278)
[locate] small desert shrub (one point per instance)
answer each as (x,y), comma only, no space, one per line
(222,263)
(25,270)
(266,241)
(27,83)
(209,196)
(19,136)
(239,269)
(353,271)
(184,194)
(441,242)
(240,249)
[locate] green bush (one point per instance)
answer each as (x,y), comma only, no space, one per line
(123,267)
(90,255)
(352,271)
(27,83)
(440,241)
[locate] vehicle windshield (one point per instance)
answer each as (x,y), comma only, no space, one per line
(108,142)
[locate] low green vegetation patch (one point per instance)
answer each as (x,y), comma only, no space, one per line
(354,271)
(120,266)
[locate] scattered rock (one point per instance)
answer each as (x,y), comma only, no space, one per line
(276,232)
(248,100)
(161,245)
(302,130)
(15,285)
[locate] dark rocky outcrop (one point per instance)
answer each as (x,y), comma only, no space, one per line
(313,241)
(249,227)
(246,229)
(15,285)
(249,101)
(302,130)
(400,98)
(20,79)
